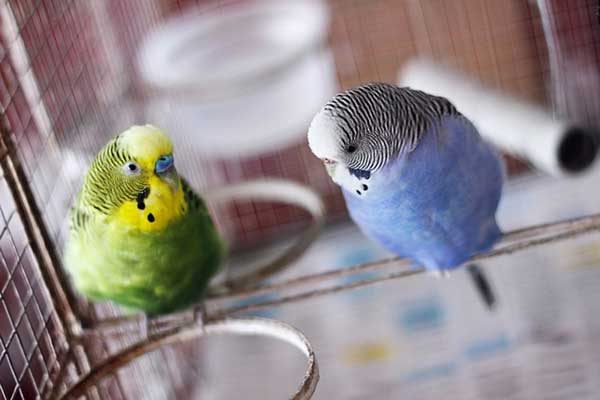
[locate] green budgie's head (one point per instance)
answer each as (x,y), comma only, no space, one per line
(133,180)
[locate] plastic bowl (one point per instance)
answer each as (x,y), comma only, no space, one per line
(242,79)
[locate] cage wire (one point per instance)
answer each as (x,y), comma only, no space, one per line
(69,83)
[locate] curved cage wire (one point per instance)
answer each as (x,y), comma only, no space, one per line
(70,80)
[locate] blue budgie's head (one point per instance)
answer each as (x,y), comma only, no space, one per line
(360,130)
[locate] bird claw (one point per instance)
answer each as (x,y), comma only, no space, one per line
(436,273)
(151,327)
(440,273)
(147,327)
(199,313)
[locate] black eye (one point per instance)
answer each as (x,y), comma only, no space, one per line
(131,168)
(351,148)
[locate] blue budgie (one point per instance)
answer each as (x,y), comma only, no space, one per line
(415,174)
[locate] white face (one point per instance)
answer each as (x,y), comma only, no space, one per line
(324,143)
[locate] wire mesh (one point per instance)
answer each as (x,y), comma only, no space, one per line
(30,333)
(67,84)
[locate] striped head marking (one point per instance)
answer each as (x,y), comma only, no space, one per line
(348,136)
(133,180)
(360,130)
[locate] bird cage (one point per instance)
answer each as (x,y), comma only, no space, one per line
(236,84)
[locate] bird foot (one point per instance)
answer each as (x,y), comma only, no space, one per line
(147,327)
(440,273)
(151,326)
(199,314)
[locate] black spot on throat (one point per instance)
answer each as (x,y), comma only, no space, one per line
(359,173)
(141,196)
(358,192)
(365,187)
(151,217)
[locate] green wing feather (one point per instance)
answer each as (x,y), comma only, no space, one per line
(157,272)
(194,202)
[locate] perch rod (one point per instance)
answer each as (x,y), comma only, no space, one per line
(510,237)
(514,241)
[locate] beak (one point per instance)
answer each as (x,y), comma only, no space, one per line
(165,169)
(330,166)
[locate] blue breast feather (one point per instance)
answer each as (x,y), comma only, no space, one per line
(437,204)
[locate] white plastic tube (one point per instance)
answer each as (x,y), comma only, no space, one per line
(515,126)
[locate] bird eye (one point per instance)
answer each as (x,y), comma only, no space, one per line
(131,168)
(351,148)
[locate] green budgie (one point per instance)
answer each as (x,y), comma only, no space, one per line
(139,235)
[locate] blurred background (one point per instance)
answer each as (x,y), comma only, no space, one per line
(236,83)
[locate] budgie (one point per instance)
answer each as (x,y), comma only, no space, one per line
(415,174)
(139,235)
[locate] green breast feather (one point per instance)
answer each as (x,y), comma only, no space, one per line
(157,272)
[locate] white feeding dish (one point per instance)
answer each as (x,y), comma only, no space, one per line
(241,79)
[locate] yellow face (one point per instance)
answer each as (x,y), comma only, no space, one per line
(162,200)
(161,207)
